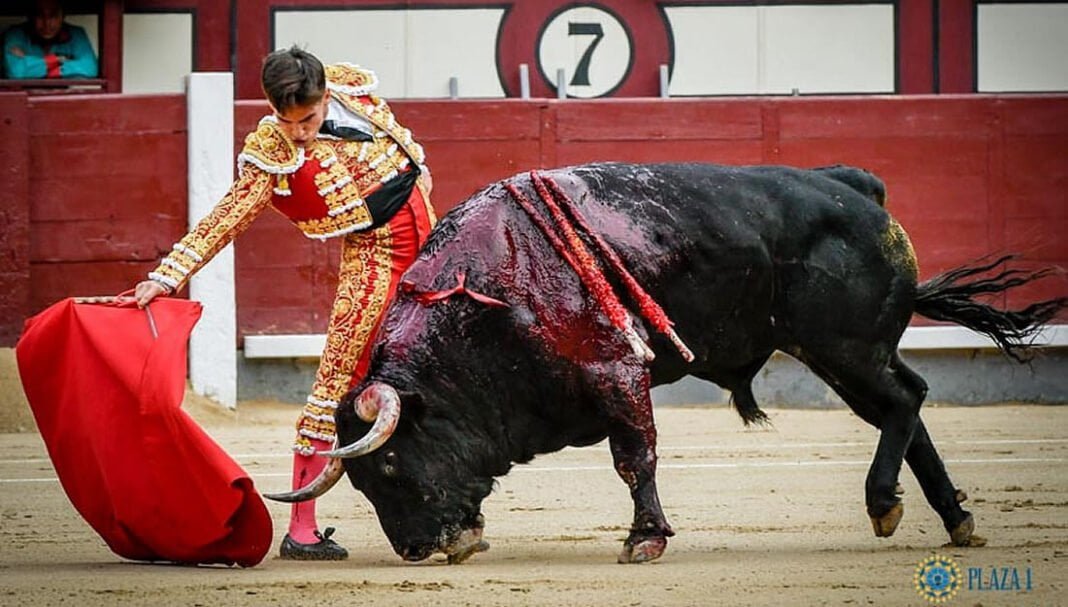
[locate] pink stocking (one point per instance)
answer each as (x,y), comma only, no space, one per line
(302,524)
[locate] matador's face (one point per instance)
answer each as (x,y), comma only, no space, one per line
(301,122)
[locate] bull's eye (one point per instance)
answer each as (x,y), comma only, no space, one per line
(389,464)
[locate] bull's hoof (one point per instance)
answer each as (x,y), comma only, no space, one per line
(886,525)
(962,534)
(458,557)
(645,550)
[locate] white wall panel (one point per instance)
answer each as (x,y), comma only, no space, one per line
(1022,47)
(414,52)
(461,43)
(157,52)
(730,50)
(716,50)
(829,49)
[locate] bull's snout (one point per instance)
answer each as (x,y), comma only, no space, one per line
(468,543)
(457,543)
(416,553)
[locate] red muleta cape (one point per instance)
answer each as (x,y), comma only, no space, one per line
(106,395)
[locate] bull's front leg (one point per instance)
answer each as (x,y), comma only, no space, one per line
(634,453)
(632,437)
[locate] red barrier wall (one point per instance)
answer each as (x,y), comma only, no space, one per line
(107,183)
(966,175)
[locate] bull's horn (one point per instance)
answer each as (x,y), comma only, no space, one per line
(319,485)
(379,403)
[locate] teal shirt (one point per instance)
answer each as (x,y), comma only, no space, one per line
(71,43)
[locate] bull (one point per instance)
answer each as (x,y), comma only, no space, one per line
(517,360)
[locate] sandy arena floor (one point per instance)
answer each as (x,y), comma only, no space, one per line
(767,517)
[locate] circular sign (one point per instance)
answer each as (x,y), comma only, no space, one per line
(590,45)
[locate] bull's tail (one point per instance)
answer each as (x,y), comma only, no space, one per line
(952,296)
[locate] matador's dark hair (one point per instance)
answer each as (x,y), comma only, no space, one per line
(292,77)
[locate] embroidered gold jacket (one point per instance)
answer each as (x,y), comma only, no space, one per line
(320,188)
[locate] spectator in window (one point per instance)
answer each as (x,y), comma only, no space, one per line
(46,47)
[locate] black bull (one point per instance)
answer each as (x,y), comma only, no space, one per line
(745,261)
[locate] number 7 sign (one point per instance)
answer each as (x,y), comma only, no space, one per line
(591,45)
(606,48)
(582,70)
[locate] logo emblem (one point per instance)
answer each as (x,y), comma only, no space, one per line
(937,578)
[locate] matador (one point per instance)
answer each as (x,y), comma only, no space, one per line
(333,159)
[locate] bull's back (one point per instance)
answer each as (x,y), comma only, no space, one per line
(724,248)
(685,208)
(720,248)
(700,220)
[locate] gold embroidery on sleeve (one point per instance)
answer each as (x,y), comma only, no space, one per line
(248,196)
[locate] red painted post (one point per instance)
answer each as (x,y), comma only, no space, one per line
(213,50)
(916,47)
(252,33)
(956,46)
(111,45)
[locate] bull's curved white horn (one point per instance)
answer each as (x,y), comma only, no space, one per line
(381,404)
(319,485)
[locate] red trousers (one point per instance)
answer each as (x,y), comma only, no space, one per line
(372,263)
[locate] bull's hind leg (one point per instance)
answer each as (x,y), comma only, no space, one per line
(632,438)
(921,456)
(926,464)
(930,472)
(889,398)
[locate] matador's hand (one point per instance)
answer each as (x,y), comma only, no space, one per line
(146,291)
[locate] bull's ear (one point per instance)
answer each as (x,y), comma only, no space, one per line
(346,410)
(412,404)
(347,401)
